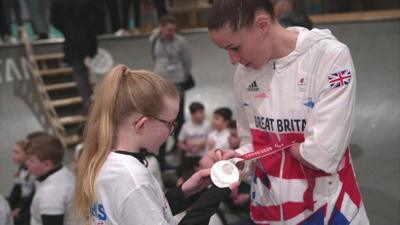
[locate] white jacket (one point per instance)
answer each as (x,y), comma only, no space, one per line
(305,97)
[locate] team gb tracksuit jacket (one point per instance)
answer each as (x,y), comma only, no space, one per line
(305,97)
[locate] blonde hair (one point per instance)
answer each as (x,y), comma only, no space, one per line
(23,145)
(122,92)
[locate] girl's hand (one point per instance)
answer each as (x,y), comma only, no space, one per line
(15,212)
(216,155)
(196,182)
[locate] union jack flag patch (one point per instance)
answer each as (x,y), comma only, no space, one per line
(340,78)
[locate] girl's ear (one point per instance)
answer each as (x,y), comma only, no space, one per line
(140,123)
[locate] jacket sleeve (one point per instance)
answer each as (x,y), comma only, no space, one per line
(330,122)
(202,210)
(177,201)
(53,219)
(243,127)
(242,122)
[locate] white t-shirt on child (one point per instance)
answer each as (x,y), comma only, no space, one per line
(54,196)
(5,214)
(128,194)
(219,138)
(195,133)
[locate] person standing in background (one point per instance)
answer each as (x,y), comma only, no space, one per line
(39,16)
(160,8)
(9,9)
(75,19)
(288,17)
(102,8)
(126,12)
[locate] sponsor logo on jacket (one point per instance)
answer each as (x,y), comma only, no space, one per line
(309,103)
(301,85)
(253,86)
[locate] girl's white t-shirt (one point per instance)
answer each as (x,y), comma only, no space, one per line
(128,194)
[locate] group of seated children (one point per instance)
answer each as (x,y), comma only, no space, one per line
(197,136)
(43,188)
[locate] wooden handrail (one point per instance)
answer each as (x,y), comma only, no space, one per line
(362,16)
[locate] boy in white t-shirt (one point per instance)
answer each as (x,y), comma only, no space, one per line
(218,138)
(52,202)
(192,137)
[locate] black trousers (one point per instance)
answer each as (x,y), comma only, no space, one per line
(126,6)
(160,8)
(102,7)
(7,9)
(81,76)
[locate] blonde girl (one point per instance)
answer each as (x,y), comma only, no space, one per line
(133,110)
(21,194)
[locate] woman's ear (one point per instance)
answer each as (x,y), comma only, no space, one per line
(263,22)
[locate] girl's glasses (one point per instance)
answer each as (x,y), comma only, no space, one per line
(170,124)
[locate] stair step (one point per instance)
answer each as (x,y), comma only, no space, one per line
(61,86)
(66,101)
(49,56)
(55,72)
(72,119)
(72,139)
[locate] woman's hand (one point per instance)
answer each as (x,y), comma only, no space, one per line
(216,155)
(196,182)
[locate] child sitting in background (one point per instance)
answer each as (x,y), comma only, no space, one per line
(234,139)
(240,198)
(24,183)
(192,138)
(218,138)
(53,198)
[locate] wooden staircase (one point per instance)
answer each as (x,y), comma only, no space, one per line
(57,92)
(187,12)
